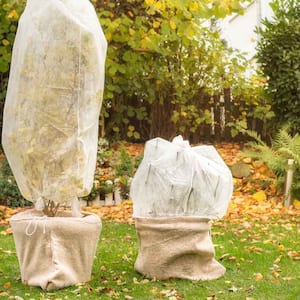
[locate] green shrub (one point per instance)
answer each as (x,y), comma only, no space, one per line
(163,63)
(10,11)
(124,185)
(93,194)
(278,54)
(124,171)
(126,164)
(284,146)
(138,160)
(103,152)
(9,192)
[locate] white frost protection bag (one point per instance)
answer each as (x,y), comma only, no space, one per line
(175,179)
(54,96)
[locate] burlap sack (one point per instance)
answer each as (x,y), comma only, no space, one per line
(179,247)
(55,252)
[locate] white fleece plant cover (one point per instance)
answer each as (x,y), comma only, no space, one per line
(54,96)
(175,179)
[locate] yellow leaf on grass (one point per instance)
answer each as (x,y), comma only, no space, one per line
(259,277)
(295,255)
(260,196)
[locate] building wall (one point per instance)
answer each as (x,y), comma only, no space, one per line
(239,30)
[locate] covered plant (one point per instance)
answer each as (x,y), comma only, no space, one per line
(175,179)
(54,96)
(50,134)
(176,190)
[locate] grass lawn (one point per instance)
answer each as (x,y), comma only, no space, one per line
(262,259)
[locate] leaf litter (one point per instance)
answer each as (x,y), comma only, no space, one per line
(256,209)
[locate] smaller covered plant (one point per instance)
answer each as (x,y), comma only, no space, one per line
(175,179)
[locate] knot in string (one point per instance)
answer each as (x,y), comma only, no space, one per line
(34,223)
(178,141)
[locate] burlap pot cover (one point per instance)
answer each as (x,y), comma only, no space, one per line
(55,252)
(179,247)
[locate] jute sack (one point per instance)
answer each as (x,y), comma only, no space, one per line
(176,247)
(55,252)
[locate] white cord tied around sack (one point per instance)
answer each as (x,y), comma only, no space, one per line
(35,221)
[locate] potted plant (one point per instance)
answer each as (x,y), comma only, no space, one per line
(107,188)
(93,198)
(50,130)
(176,191)
(122,186)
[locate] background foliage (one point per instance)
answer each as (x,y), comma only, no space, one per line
(278,55)
(166,59)
(284,146)
(10,11)
(166,62)
(10,194)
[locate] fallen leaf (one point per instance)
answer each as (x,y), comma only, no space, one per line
(278,259)
(296,204)
(167,293)
(276,280)
(233,289)
(9,230)
(247,160)
(295,255)
(103,268)
(255,249)
(224,256)
(288,278)
(260,196)
(89,288)
(212,297)
(259,277)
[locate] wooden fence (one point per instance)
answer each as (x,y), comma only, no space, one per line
(223,110)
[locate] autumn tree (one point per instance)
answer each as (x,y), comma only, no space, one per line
(163,58)
(165,62)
